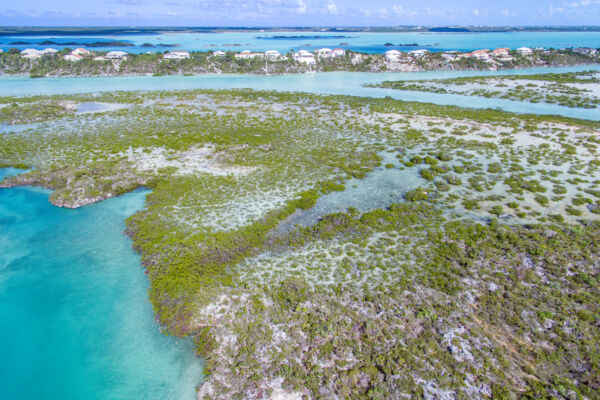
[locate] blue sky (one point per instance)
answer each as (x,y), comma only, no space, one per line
(298,12)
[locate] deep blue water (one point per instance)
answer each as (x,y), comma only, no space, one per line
(75,320)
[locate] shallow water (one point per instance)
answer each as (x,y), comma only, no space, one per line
(371,42)
(379,189)
(16,128)
(94,107)
(76,322)
(338,83)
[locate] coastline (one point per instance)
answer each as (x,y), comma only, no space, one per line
(200,63)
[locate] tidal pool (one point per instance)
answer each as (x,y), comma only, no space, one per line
(75,320)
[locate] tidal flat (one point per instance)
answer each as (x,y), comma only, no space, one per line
(470,272)
(575,90)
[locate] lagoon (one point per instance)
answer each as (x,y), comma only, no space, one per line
(337,83)
(76,319)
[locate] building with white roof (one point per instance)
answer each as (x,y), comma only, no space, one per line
(304,57)
(73,57)
(176,55)
(116,55)
(524,51)
(247,55)
(418,53)
(48,50)
(272,54)
(80,51)
(393,55)
(481,55)
(338,53)
(324,52)
(31,53)
(219,53)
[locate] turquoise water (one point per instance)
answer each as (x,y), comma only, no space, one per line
(75,318)
(343,83)
(371,42)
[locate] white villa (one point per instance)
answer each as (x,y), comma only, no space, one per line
(80,51)
(305,57)
(524,51)
(338,53)
(481,55)
(501,53)
(324,52)
(247,55)
(73,57)
(77,54)
(219,53)
(48,50)
(116,55)
(272,54)
(31,53)
(176,55)
(393,55)
(418,53)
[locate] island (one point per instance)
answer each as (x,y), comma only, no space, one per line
(83,62)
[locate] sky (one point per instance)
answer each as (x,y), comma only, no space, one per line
(297,12)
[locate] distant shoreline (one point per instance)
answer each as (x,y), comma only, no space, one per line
(76,31)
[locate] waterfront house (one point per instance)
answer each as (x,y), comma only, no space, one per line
(272,54)
(418,53)
(324,52)
(501,53)
(338,53)
(305,57)
(481,55)
(80,51)
(524,51)
(393,55)
(219,53)
(48,51)
(73,57)
(31,53)
(247,55)
(176,55)
(585,51)
(116,55)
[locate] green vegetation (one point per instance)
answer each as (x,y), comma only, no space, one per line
(205,62)
(573,89)
(482,264)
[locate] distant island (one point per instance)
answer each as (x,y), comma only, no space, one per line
(91,31)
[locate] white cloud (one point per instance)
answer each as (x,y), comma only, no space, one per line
(332,8)
(301,7)
(581,3)
(399,10)
(382,11)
